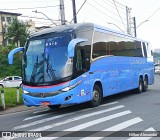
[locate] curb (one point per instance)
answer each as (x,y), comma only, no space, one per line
(19,108)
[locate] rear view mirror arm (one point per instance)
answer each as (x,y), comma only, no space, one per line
(11,54)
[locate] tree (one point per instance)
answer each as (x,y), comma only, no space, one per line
(17,32)
(5,68)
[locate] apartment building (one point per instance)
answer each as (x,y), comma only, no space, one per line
(5,19)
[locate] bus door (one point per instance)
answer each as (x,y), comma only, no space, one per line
(81,70)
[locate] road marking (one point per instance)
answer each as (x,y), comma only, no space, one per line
(17,112)
(91,123)
(124,125)
(88,124)
(34,117)
(41,121)
(115,128)
(112,103)
(56,117)
(77,118)
(143,138)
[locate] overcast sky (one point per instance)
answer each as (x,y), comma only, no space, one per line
(100,12)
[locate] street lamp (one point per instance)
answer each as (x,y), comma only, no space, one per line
(142,23)
(45,16)
(116,26)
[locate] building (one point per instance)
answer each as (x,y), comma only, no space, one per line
(5,19)
(31,27)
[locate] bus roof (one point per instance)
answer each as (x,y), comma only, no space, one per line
(62,28)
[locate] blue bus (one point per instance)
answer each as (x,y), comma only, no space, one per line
(77,63)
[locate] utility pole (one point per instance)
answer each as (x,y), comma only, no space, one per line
(74,11)
(128,12)
(135,29)
(62,13)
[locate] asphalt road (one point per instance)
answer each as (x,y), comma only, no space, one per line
(122,113)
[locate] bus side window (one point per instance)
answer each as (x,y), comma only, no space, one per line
(144,49)
(79,64)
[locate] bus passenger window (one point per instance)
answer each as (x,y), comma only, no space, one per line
(79,61)
(145,50)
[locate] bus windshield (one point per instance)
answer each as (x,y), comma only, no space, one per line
(46,61)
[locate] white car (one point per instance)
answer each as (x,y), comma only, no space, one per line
(157,69)
(11,81)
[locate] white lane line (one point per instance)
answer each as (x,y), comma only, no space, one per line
(91,123)
(77,118)
(112,103)
(41,111)
(41,121)
(88,124)
(56,117)
(115,128)
(34,117)
(144,138)
(124,125)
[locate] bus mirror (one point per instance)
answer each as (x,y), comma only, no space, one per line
(72,45)
(11,54)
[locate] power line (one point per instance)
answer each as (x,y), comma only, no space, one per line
(103,12)
(153,13)
(27,2)
(119,13)
(104,7)
(148,17)
(119,4)
(92,14)
(79,10)
(25,16)
(32,7)
(112,5)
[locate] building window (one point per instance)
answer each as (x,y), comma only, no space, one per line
(3,30)
(8,19)
(3,18)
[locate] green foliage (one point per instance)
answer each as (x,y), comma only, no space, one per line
(17,32)
(156,55)
(10,95)
(5,68)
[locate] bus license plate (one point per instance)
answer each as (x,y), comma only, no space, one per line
(45,103)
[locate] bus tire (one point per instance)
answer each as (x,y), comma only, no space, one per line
(145,84)
(140,87)
(54,107)
(96,96)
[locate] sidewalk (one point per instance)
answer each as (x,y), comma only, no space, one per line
(16,109)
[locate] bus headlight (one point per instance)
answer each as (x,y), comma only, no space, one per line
(25,92)
(70,87)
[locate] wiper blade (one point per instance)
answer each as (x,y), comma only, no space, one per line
(52,72)
(32,80)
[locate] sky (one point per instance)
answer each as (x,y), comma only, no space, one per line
(108,13)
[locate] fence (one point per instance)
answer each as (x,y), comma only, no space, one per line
(10,97)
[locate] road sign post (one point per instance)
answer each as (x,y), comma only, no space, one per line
(3,99)
(17,94)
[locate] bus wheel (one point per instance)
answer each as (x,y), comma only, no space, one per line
(145,84)
(54,107)
(140,88)
(96,96)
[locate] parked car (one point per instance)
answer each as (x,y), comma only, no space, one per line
(157,68)
(11,81)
